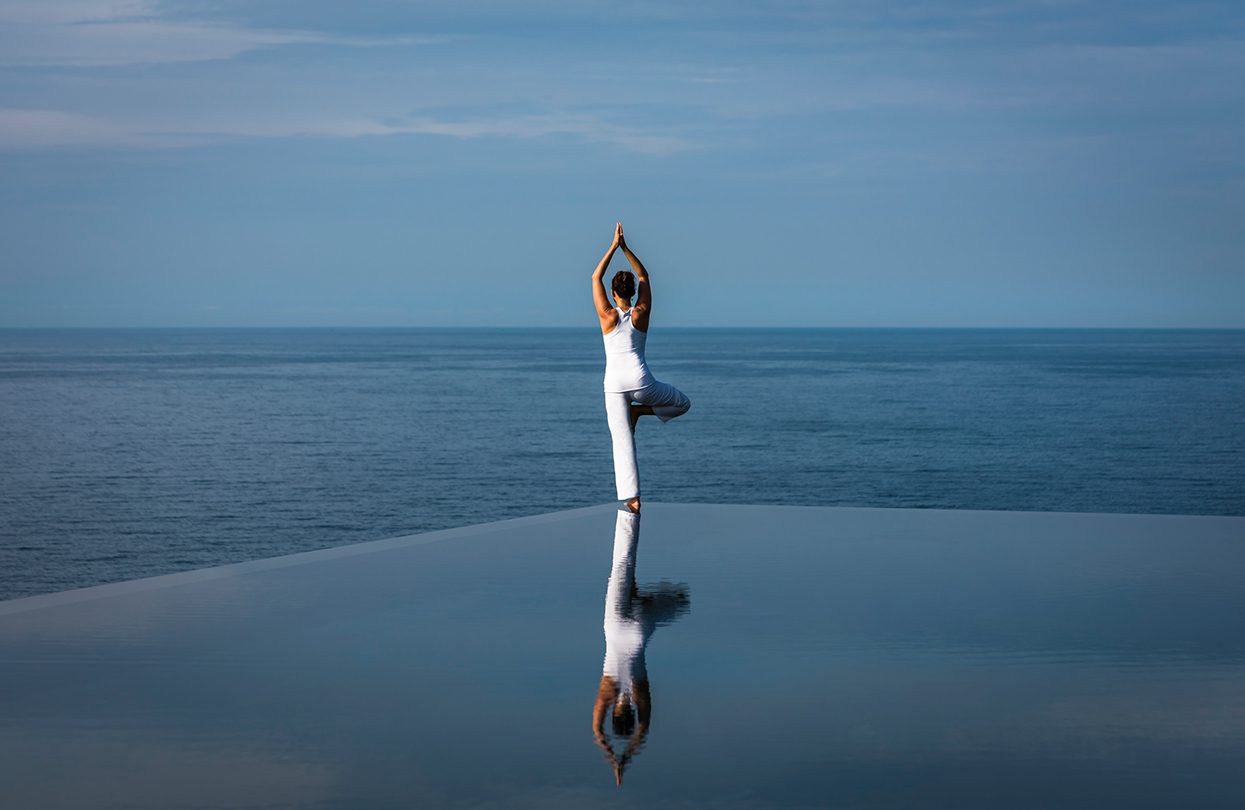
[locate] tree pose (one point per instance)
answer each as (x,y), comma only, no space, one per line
(631,390)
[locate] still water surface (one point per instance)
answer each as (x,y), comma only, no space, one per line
(715,657)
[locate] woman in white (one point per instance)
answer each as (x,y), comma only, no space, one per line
(631,391)
(631,616)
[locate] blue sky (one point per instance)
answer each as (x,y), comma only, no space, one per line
(850,163)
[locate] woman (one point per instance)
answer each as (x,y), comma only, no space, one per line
(631,391)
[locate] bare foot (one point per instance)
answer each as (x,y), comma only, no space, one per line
(633,504)
(636,412)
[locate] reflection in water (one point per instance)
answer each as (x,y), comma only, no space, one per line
(631,616)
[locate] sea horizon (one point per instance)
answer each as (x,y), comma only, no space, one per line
(593,327)
(143,450)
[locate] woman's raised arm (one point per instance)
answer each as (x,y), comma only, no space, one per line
(605,309)
(644,290)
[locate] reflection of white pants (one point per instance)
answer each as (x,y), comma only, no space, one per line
(667,403)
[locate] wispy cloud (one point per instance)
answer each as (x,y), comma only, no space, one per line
(135,43)
(100,33)
(62,12)
(109,33)
(22,129)
(587,127)
(42,129)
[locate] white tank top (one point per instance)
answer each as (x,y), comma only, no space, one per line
(625,369)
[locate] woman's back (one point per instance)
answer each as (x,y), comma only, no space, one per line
(625,366)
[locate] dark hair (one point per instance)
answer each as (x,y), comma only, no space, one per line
(623,719)
(623,284)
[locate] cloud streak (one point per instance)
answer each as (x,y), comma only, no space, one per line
(93,33)
(64,12)
(24,129)
(43,129)
(136,43)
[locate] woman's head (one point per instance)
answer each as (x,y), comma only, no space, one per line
(623,717)
(623,285)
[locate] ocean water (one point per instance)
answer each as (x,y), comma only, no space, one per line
(128,453)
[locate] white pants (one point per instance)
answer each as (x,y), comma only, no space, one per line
(667,403)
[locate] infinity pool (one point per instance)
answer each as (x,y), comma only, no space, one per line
(698,656)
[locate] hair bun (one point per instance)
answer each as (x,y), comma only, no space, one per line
(623,284)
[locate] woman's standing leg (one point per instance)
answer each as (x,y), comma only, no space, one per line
(626,473)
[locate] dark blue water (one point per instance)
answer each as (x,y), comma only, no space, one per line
(776,657)
(127,453)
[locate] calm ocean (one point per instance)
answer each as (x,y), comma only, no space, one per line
(128,453)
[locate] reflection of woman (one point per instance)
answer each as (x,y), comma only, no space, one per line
(631,391)
(631,616)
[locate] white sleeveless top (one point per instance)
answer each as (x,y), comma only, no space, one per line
(625,368)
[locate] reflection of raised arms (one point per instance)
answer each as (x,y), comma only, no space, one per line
(644,291)
(606,697)
(605,310)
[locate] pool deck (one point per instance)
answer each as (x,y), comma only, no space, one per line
(796,656)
